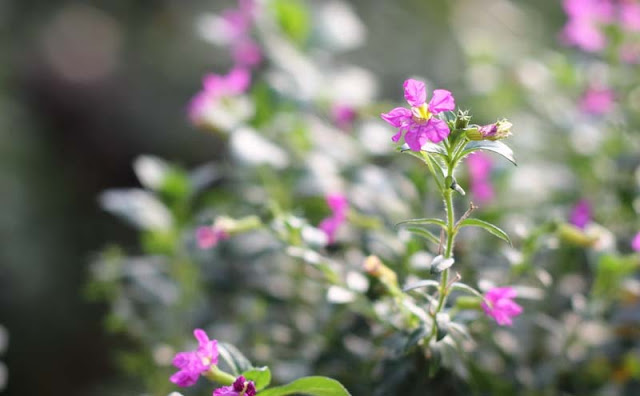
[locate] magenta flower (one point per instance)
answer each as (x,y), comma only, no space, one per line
(343,115)
(241,387)
(339,207)
(586,17)
(499,305)
(597,101)
(418,124)
(194,363)
(630,16)
(208,237)
(581,214)
(635,243)
(216,88)
(480,177)
(246,52)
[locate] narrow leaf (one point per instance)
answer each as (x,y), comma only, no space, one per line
(422,283)
(237,362)
(466,288)
(488,145)
(424,233)
(435,221)
(312,386)
(488,227)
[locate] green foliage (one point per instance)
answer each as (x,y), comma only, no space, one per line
(311,386)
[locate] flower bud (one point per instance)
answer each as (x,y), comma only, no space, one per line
(496,131)
(462,119)
(374,267)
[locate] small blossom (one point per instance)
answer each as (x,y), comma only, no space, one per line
(241,387)
(208,237)
(597,101)
(418,124)
(479,174)
(581,214)
(630,16)
(194,363)
(499,305)
(635,243)
(246,52)
(343,115)
(583,28)
(210,104)
(339,205)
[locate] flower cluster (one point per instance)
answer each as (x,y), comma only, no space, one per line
(581,214)
(418,124)
(339,207)
(192,364)
(586,19)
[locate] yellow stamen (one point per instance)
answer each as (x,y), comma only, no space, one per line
(421,113)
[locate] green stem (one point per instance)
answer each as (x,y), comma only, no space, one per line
(219,376)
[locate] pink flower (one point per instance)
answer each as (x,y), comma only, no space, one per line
(499,305)
(343,115)
(581,214)
(241,387)
(208,237)
(479,174)
(246,52)
(194,363)
(339,207)
(585,20)
(597,101)
(215,88)
(418,123)
(635,243)
(630,16)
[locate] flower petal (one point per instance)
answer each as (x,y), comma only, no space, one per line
(397,117)
(416,137)
(436,130)
(442,100)
(415,92)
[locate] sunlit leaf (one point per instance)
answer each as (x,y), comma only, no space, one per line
(312,386)
(261,376)
(489,145)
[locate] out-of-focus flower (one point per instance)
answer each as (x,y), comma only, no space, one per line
(212,105)
(240,387)
(597,101)
(586,17)
(208,237)
(339,205)
(418,123)
(499,305)
(479,174)
(630,15)
(246,52)
(194,363)
(581,214)
(635,243)
(343,115)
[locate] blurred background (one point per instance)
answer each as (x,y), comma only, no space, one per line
(87,86)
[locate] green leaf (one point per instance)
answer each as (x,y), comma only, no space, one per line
(312,386)
(610,272)
(489,145)
(435,221)
(415,337)
(434,148)
(488,227)
(422,283)
(294,19)
(466,288)
(261,376)
(425,234)
(237,362)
